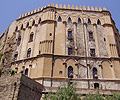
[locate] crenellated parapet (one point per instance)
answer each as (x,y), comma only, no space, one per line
(72,7)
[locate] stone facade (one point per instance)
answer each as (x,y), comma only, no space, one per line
(63,42)
(19,87)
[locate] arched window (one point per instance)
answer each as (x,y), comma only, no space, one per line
(95,73)
(79,20)
(69,20)
(29,52)
(98,22)
(27,25)
(26,71)
(15,57)
(31,37)
(59,19)
(96,85)
(89,21)
(19,40)
(70,72)
(39,21)
(33,23)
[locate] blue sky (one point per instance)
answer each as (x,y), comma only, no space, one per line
(11,9)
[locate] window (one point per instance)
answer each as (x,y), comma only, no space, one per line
(29,53)
(60,72)
(33,23)
(59,19)
(31,37)
(39,52)
(90,35)
(89,21)
(104,39)
(19,40)
(69,34)
(79,20)
(26,71)
(70,72)
(92,52)
(95,73)
(16,28)
(50,34)
(69,51)
(39,21)
(15,57)
(22,27)
(96,85)
(69,20)
(98,22)
(27,25)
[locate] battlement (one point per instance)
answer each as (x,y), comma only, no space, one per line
(84,8)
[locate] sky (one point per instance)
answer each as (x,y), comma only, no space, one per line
(11,9)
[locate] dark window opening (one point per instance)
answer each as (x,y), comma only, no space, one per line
(95,73)
(15,57)
(39,21)
(39,52)
(98,22)
(92,52)
(96,85)
(50,34)
(16,28)
(59,19)
(21,71)
(22,27)
(60,72)
(3,61)
(33,23)
(19,41)
(27,25)
(69,51)
(104,39)
(90,35)
(69,20)
(69,34)
(29,53)
(26,71)
(70,72)
(89,21)
(79,20)
(31,37)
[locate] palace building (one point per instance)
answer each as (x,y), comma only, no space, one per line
(56,43)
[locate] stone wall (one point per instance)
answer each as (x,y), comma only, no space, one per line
(19,87)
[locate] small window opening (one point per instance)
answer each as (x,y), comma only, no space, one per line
(3,61)
(98,22)
(104,39)
(92,52)
(27,25)
(16,56)
(70,72)
(60,72)
(69,34)
(22,27)
(16,28)
(79,20)
(26,71)
(96,85)
(39,52)
(50,34)
(59,19)
(90,35)
(69,51)
(31,37)
(69,20)
(95,73)
(89,21)
(29,53)
(39,21)
(19,41)
(33,23)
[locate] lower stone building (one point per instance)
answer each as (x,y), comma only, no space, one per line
(57,43)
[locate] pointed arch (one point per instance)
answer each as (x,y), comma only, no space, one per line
(69,20)
(79,20)
(89,21)
(98,22)
(59,19)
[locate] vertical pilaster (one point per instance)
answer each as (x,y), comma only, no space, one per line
(75,37)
